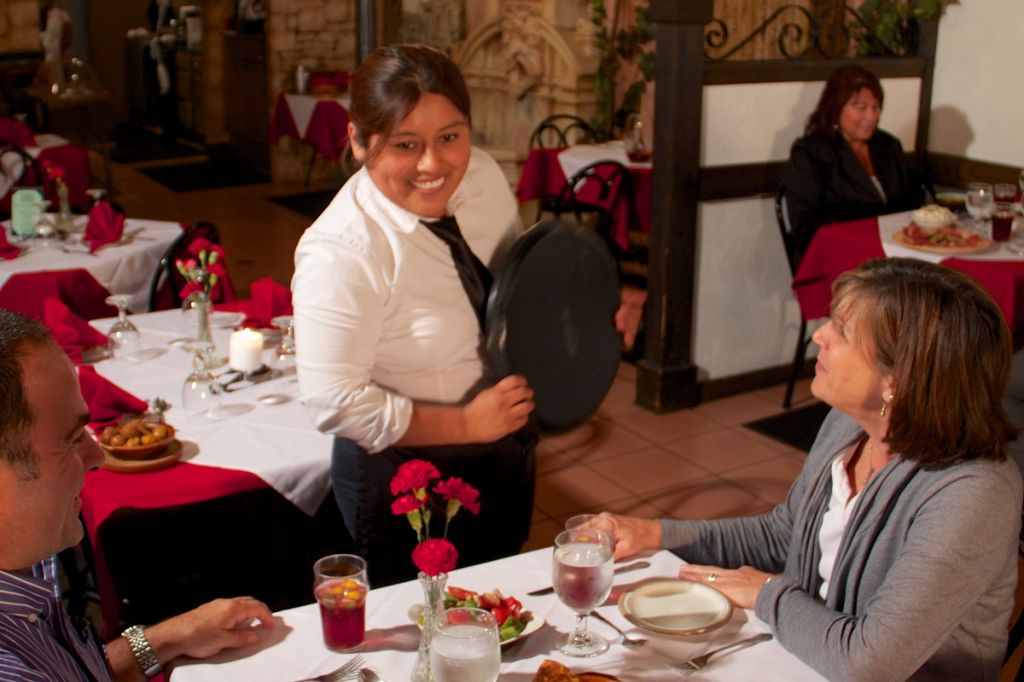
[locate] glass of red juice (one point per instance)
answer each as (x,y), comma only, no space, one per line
(340,587)
(1002,220)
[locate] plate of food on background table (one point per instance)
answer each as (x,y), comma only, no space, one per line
(933,229)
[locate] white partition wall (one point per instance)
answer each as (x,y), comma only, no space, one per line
(746,316)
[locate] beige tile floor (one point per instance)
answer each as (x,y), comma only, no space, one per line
(694,463)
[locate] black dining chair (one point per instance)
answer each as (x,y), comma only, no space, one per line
(793,256)
(596,194)
(167,282)
(19,168)
(561,130)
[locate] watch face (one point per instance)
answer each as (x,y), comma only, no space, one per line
(550,318)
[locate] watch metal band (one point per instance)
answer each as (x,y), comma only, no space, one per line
(144,655)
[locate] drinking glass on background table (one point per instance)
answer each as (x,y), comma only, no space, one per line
(1002,221)
(125,339)
(637,140)
(1004,191)
(283,357)
(465,646)
(340,587)
(979,202)
(582,576)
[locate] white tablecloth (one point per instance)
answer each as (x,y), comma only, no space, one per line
(120,268)
(295,649)
(890,224)
(576,156)
(277,442)
(301,107)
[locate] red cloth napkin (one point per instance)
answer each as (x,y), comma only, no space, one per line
(8,251)
(69,330)
(269,299)
(16,132)
(106,225)
(107,401)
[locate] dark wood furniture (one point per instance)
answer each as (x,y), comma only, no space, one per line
(246,102)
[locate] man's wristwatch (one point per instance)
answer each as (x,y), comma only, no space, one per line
(143,651)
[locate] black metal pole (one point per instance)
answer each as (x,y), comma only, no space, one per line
(366,28)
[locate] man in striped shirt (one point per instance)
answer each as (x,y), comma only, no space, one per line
(44,454)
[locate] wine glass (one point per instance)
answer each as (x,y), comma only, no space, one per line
(465,646)
(125,339)
(638,143)
(582,576)
(979,201)
(200,392)
(97,194)
(283,358)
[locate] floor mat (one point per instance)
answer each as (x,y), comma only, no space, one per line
(794,427)
(309,204)
(135,144)
(218,171)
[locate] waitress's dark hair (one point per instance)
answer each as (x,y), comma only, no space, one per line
(389,84)
(845,82)
(946,344)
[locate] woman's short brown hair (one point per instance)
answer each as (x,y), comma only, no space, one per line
(845,82)
(947,347)
(389,84)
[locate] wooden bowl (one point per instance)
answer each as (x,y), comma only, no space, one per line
(139,452)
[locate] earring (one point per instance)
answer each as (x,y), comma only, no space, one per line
(882,413)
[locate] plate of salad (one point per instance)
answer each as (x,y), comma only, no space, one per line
(514,622)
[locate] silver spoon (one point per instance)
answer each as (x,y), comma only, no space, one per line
(627,641)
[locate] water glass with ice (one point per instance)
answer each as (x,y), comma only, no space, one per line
(465,646)
(582,576)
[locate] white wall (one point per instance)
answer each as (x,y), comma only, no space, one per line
(978,96)
(746,316)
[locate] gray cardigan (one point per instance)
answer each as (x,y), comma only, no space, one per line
(924,579)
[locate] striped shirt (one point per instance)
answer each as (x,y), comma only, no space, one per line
(38,641)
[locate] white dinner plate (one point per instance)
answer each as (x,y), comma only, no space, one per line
(675,607)
(415,614)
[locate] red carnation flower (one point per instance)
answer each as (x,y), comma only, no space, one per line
(413,475)
(406,504)
(458,491)
(435,556)
(53,171)
(199,245)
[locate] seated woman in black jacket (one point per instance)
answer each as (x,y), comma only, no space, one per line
(844,167)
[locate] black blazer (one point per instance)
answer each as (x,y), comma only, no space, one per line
(824,183)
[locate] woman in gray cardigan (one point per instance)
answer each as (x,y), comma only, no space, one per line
(894,554)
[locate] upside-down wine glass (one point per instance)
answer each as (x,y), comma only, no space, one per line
(201,392)
(582,576)
(125,339)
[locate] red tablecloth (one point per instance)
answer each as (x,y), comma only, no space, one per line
(840,247)
(106,492)
(77,289)
(75,162)
(327,130)
(542,176)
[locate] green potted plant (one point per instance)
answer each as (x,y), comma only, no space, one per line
(892,27)
(616,47)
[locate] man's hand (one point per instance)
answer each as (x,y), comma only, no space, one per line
(216,625)
(740,585)
(627,317)
(499,410)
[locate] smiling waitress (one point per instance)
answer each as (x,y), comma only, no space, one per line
(388,322)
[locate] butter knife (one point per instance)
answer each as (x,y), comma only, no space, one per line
(636,565)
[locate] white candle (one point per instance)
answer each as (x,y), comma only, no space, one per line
(246,350)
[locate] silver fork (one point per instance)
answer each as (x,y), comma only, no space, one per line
(627,641)
(349,671)
(698,663)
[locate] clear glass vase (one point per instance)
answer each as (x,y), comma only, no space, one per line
(198,306)
(433,601)
(65,221)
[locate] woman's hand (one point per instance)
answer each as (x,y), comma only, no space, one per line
(633,534)
(740,585)
(627,317)
(499,410)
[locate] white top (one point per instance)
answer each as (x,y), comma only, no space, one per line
(381,317)
(833,523)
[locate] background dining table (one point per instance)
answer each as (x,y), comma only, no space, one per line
(74,160)
(546,169)
(267,449)
(82,280)
(294,648)
(320,122)
(839,247)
